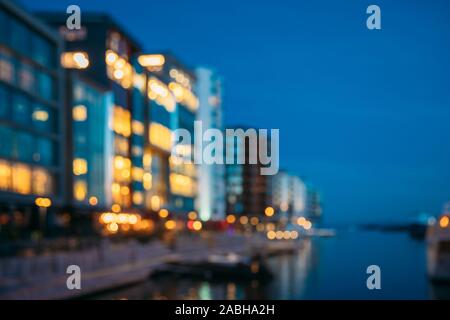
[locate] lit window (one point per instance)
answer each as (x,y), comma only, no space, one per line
(42,182)
(159,92)
(138,127)
(147,181)
(160,136)
(40,115)
(155,203)
(80,190)
(75,60)
(119,69)
(138,198)
(182,185)
(80,166)
(5,175)
(21,179)
(138,174)
(139,81)
(79,113)
(184,95)
(121,121)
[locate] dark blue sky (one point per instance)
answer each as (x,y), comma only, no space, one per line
(363,115)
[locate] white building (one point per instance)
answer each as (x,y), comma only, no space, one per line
(288,194)
(297,197)
(211,178)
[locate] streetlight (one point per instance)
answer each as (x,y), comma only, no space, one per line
(269,211)
(43,204)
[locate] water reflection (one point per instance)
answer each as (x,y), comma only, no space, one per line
(326,268)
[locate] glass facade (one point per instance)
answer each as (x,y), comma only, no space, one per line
(29,109)
(89,128)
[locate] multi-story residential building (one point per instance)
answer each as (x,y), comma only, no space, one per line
(281,192)
(183,174)
(288,194)
(107,97)
(297,196)
(211,177)
(313,204)
(247,190)
(147,97)
(31,123)
(173,105)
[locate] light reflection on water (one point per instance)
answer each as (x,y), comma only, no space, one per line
(324,268)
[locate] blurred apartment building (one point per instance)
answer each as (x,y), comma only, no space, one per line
(86,121)
(211,195)
(288,195)
(125,106)
(86,126)
(248,192)
(105,102)
(32,138)
(313,204)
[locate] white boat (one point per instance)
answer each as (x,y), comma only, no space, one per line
(438,247)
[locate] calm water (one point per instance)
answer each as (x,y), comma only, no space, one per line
(325,268)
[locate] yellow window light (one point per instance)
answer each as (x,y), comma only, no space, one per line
(42,181)
(182,185)
(151,60)
(111,57)
(121,121)
(40,115)
(138,197)
(147,181)
(119,69)
(5,175)
(160,136)
(80,190)
(184,95)
(137,127)
(79,113)
(155,203)
(138,174)
(75,60)
(80,166)
(139,81)
(158,91)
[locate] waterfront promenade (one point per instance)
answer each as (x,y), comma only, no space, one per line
(108,265)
